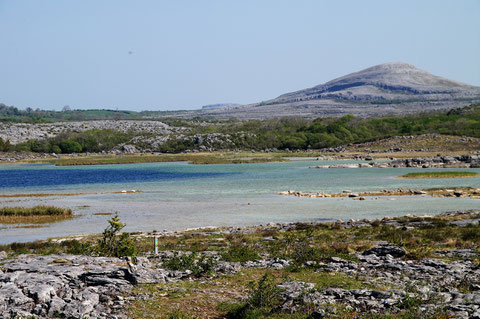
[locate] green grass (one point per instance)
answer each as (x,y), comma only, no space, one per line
(439,175)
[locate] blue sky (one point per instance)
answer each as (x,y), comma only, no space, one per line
(180,54)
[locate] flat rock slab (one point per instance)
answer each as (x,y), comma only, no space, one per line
(69,286)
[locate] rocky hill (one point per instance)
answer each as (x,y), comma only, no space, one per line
(386,82)
(390,88)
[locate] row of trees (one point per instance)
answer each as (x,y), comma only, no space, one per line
(13,114)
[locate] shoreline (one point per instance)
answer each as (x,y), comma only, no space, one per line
(314,270)
(402,158)
(450,193)
(263,226)
(433,192)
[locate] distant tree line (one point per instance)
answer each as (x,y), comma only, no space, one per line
(94,140)
(29,115)
(282,133)
(297,133)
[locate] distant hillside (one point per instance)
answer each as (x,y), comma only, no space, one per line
(219,106)
(393,82)
(385,89)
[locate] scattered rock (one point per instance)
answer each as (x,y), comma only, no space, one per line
(385,250)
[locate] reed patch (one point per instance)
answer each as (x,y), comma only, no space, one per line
(440,175)
(36,215)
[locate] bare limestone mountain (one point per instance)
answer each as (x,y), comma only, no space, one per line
(390,88)
(384,82)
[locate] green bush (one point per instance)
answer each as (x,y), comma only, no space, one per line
(409,303)
(471,233)
(240,252)
(56,149)
(178,314)
(199,266)
(265,293)
(69,146)
(48,247)
(263,299)
(302,253)
(113,244)
(5,146)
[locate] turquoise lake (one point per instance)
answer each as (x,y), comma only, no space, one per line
(179,195)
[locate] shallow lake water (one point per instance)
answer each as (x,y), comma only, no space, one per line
(179,195)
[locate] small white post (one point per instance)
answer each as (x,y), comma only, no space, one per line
(155,243)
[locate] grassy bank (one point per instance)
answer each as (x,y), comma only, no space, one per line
(203,158)
(440,175)
(37,214)
(313,240)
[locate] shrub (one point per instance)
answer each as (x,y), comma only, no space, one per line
(239,252)
(178,314)
(263,299)
(49,247)
(113,244)
(303,253)
(471,233)
(69,146)
(265,293)
(56,149)
(199,266)
(5,145)
(409,303)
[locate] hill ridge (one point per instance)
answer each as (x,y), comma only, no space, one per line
(381,81)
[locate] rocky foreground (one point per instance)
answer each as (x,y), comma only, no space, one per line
(71,286)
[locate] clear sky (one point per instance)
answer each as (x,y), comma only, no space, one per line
(181,54)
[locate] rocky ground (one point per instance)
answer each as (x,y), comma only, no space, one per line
(461,161)
(384,278)
(471,192)
(21,132)
(411,143)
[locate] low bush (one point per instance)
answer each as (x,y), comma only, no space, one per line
(471,233)
(113,243)
(199,266)
(263,299)
(240,252)
(48,247)
(178,314)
